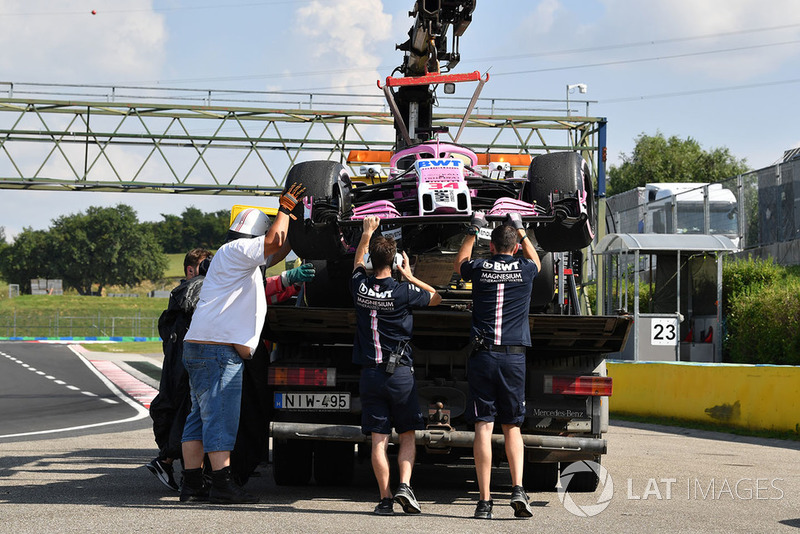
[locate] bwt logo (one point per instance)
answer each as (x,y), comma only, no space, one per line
(438,163)
(364,290)
(585,469)
(499,266)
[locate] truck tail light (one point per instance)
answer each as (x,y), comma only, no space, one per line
(301,376)
(596,386)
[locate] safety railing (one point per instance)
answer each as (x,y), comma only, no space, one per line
(58,325)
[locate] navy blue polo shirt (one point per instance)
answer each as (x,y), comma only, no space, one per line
(501,298)
(383,315)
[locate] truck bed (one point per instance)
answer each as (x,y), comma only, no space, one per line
(551,334)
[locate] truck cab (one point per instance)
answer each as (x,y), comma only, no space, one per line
(680,208)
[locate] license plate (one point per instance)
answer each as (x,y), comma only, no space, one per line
(312,401)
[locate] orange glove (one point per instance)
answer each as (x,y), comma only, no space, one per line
(290,198)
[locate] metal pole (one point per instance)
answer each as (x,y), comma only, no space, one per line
(601,211)
(431,437)
(636,308)
(674,213)
(740,209)
(718,334)
(678,293)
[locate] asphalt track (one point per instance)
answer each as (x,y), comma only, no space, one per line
(92,479)
(50,389)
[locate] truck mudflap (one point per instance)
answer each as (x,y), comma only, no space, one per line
(550,334)
(551,447)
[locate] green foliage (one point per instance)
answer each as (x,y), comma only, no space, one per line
(741,277)
(104,246)
(658,159)
(761,306)
(28,257)
(645,297)
(764,325)
(193,228)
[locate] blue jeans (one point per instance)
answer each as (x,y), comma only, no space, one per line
(215,378)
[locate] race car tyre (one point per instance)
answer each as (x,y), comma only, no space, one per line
(291,462)
(330,287)
(544,285)
(561,173)
(540,477)
(328,188)
(334,463)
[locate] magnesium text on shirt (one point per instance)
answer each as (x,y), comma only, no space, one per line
(374,300)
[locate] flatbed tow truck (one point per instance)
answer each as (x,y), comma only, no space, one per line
(425,201)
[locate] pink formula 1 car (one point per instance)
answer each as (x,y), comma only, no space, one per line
(426,200)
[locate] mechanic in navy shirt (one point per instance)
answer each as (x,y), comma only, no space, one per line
(501,296)
(388,390)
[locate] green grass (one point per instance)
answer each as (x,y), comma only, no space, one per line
(83,305)
(75,315)
(129,347)
(147,368)
(711,427)
(175,266)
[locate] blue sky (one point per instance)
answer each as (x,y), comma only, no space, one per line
(724,72)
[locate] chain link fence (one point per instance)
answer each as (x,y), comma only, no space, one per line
(58,325)
(757,209)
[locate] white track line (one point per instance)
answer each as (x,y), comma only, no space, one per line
(141,411)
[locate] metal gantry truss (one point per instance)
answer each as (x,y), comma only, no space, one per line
(76,139)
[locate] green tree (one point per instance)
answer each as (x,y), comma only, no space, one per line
(191,229)
(205,230)
(105,246)
(30,256)
(658,159)
(168,233)
(3,242)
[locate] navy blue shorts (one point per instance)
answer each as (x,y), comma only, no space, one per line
(496,388)
(389,401)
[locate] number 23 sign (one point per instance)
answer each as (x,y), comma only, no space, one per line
(664,332)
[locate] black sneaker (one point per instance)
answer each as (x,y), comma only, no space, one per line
(163,472)
(405,498)
(385,507)
(484,509)
(519,502)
